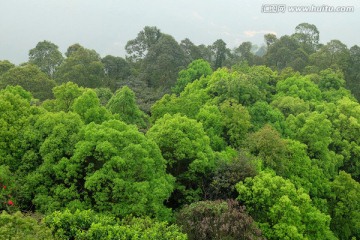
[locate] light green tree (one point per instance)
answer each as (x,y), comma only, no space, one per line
(65,95)
(194,71)
(344,207)
(89,108)
(123,103)
(281,210)
(90,225)
(186,149)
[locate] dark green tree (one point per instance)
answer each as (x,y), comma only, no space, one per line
(352,73)
(117,69)
(334,54)
(139,47)
(5,66)
(46,56)
(83,67)
(308,36)
(219,53)
(31,78)
(162,63)
(192,52)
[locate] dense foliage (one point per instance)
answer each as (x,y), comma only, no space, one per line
(179,141)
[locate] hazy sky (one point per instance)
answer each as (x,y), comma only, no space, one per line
(106,25)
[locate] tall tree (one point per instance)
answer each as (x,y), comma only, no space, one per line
(46,56)
(308,36)
(83,67)
(192,52)
(352,73)
(146,38)
(270,39)
(163,62)
(334,54)
(220,53)
(116,68)
(243,53)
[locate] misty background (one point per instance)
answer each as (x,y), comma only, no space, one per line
(107,25)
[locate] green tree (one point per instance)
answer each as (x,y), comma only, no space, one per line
(104,95)
(65,95)
(186,149)
(308,36)
(352,73)
(290,105)
(330,79)
(114,169)
(31,79)
(7,187)
(18,226)
(73,49)
(195,70)
(282,52)
(236,119)
(162,63)
(299,86)
(262,113)
(89,108)
(244,53)
(192,52)
(46,56)
(117,69)
(5,66)
(17,117)
(123,103)
(289,159)
(57,134)
(281,210)
(212,121)
(83,67)
(344,207)
(139,47)
(219,53)
(344,115)
(334,54)
(89,225)
(270,39)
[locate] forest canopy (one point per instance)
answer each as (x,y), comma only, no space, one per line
(182,141)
